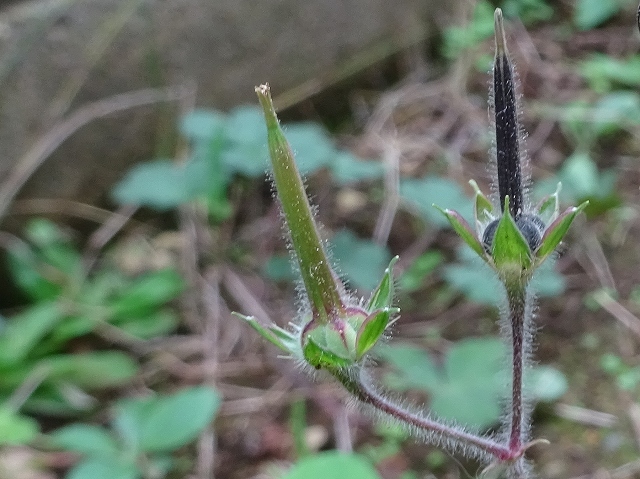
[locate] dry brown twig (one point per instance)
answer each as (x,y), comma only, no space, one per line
(49,142)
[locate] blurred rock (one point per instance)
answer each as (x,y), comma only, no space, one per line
(57,55)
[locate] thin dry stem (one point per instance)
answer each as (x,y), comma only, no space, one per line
(391,194)
(48,143)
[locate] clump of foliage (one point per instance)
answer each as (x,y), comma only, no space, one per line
(69,304)
(336,332)
(145,431)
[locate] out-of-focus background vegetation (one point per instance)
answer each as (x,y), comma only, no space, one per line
(136,215)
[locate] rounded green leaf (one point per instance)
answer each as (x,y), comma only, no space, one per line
(332,465)
(423,193)
(546,383)
(201,125)
(170,422)
(361,260)
(85,439)
(104,469)
(347,169)
(158,184)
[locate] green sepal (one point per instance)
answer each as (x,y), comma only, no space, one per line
(382,297)
(463,229)
(557,230)
(510,250)
(371,330)
(318,357)
(483,209)
(285,340)
(549,207)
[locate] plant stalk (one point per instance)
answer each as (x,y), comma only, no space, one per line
(359,385)
(517,311)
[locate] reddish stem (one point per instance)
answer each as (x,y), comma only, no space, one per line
(362,389)
(517,299)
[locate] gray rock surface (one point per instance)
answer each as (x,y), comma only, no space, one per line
(58,55)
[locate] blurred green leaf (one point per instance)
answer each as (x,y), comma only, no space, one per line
(582,181)
(165,423)
(414,365)
(592,13)
(201,125)
(603,71)
(93,370)
(16,429)
(245,125)
(147,293)
(279,268)
(85,439)
(414,276)
(24,330)
(346,169)
(332,465)
(528,11)
(586,122)
(25,269)
(311,146)
(104,469)
(422,194)
(546,383)
(362,261)
(468,386)
(457,39)
(152,325)
(476,281)
(42,233)
(246,149)
(159,184)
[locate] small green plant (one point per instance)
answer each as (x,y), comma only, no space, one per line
(336,332)
(67,304)
(223,145)
(144,433)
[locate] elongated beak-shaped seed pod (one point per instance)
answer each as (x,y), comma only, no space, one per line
(319,280)
(506,125)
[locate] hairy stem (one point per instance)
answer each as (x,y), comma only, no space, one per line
(359,385)
(517,311)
